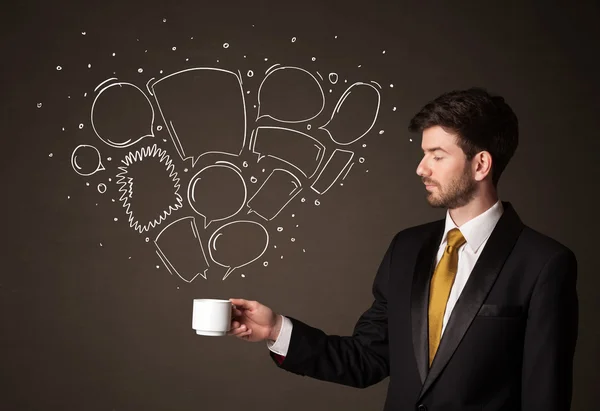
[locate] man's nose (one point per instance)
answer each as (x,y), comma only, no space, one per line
(422,169)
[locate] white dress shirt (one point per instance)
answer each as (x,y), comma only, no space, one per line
(476,231)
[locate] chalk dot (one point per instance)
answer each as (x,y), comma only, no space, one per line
(360,65)
(187,59)
(303,199)
(109,158)
(391,86)
(164,20)
(115,219)
(102,188)
(266,59)
(381,131)
(282,257)
(250,73)
(245,164)
(160,71)
(266,263)
(383,52)
(248,92)
(63,129)
(84,94)
(164,140)
(59,68)
(253,179)
(317,202)
(314,59)
(255,106)
(158,128)
(361,160)
(303,250)
(410,139)
(114,54)
(364,145)
(112,199)
(109,179)
(68,197)
(333,78)
(335,37)
(147,239)
(293,215)
(330,90)
(87,183)
(308,126)
(83,33)
(89,65)
(192,38)
(185,170)
(80,126)
(280,229)
(178,287)
(274,246)
(296,225)
(225,45)
(394,109)
(101,245)
(174,48)
(293,39)
(140,70)
(367,171)
(244,56)
(263,170)
(39,105)
(242,275)
(50,155)
(293,239)
(68,96)
(157,267)
(129,258)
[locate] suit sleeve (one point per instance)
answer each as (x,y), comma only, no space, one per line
(550,337)
(359,360)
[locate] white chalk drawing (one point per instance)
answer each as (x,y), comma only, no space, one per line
(237,244)
(337,162)
(299,150)
(333,78)
(274,194)
(122,97)
(86,160)
(297,86)
(210,191)
(183,98)
(126,183)
(180,248)
(347,171)
(357,110)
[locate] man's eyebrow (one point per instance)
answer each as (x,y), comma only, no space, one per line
(431,150)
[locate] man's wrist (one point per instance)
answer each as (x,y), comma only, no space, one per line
(274,334)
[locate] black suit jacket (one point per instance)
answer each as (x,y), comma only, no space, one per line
(508,345)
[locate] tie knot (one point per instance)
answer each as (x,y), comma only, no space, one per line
(455,238)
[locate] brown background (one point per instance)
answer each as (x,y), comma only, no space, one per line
(84,327)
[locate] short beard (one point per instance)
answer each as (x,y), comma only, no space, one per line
(458,193)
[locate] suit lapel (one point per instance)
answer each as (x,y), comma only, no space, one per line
(420,297)
(481,280)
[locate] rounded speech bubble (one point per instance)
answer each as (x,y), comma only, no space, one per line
(354,114)
(86,160)
(122,114)
(290,95)
(237,244)
(217,192)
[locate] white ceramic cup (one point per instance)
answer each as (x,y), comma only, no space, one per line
(211,316)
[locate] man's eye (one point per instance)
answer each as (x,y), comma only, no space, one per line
(437,158)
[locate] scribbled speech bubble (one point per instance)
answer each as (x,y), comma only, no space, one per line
(204,110)
(237,244)
(217,192)
(121,114)
(274,194)
(86,160)
(354,115)
(290,95)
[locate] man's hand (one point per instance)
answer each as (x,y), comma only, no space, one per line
(252,321)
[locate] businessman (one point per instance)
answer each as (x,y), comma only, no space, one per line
(476,311)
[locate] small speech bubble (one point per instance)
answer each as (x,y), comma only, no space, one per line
(237,244)
(86,160)
(290,95)
(122,114)
(217,192)
(354,115)
(274,194)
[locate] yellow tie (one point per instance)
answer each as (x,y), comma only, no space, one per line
(441,283)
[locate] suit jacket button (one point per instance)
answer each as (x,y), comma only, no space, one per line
(421,407)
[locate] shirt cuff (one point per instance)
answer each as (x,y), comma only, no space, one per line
(281,345)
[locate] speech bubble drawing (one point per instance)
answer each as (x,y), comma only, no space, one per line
(290,95)
(204,110)
(86,160)
(217,192)
(237,244)
(274,194)
(180,249)
(335,166)
(354,114)
(122,114)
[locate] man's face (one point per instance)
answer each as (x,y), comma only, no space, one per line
(444,169)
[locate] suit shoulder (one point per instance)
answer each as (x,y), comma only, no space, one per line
(419,231)
(543,244)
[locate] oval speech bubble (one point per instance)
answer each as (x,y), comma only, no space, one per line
(86,160)
(217,192)
(122,115)
(237,244)
(354,115)
(290,95)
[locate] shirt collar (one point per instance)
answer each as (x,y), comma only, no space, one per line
(477,229)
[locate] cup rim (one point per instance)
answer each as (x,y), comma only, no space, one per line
(217,300)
